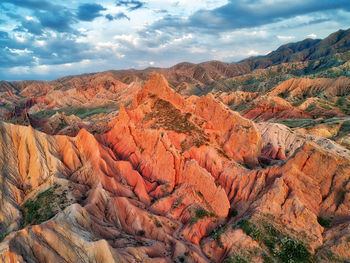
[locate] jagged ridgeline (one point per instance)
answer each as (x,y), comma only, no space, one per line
(133,166)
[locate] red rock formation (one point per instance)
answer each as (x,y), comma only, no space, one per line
(269,107)
(171,180)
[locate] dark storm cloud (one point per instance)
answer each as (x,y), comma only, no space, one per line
(118,16)
(130,4)
(88,12)
(249,13)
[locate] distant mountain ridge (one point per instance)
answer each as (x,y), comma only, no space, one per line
(308,49)
(206,72)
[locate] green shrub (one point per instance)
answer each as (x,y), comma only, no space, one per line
(341,101)
(250,229)
(290,250)
(39,210)
(2,236)
(141,232)
(200,213)
(323,221)
(216,235)
(45,206)
(283,247)
(157,222)
(235,259)
(81,112)
(181,259)
(233,212)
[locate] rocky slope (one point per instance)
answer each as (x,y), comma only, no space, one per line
(315,58)
(173,179)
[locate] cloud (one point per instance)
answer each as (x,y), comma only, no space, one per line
(30,26)
(57,48)
(88,12)
(130,4)
(4,36)
(109,17)
(38,16)
(160,11)
(47,39)
(59,20)
(252,53)
(32,4)
(312,35)
(118,16)
(285,38)
(248,13)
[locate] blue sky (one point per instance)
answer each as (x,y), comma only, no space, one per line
(44,39)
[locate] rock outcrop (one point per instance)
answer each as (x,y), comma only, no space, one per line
(172,179)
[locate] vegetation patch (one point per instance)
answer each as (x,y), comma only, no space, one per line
(216,235)
(290,250)
(197,140)
(233,212)
(324,222)
(199,213)
(166,116)
(234,258)
(81,112)
(141,233)
(155,220)
(239,107)
(280,246)
(2,236)
(222,153)
(45,206)
(181,258)
(326,255)
(40,209)
(170,118)
(305,123)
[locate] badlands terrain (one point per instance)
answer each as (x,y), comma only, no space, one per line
(210,162)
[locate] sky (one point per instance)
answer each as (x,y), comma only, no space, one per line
(45,39)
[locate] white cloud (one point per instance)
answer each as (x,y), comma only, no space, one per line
(312,35)
(285,38)
(20,38)
(40,42)
(19,51)
(253,53)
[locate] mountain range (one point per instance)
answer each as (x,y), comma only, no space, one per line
(209,162)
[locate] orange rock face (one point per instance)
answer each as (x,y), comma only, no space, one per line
(173,179)
(268,107)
